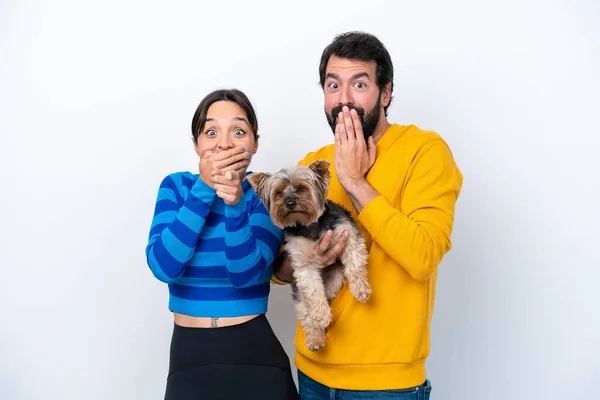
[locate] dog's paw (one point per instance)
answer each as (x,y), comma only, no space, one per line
(322,319)
(361,291)
(315,344)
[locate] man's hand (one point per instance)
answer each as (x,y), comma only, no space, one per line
(228,187)
(353,156)
(328,257)
(282,267)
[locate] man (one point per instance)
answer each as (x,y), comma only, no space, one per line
(401,184)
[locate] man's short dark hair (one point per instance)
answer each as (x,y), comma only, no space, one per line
(365,47)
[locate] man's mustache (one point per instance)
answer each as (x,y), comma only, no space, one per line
(338,109)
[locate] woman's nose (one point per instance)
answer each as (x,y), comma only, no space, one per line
(225,142)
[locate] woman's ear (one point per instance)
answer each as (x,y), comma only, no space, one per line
(255,144)
(196,148)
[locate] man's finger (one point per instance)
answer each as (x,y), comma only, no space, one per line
(348,123)
(357,126)
(336,250)
(338,139)
(342,124)
(324,243)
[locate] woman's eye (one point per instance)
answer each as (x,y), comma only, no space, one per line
(210,132)
(239,132)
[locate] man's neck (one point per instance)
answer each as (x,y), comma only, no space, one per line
(382,127)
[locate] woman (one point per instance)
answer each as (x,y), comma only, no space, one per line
(213,242)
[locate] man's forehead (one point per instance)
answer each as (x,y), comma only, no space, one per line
(346,67)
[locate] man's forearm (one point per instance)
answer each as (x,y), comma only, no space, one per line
(360,193)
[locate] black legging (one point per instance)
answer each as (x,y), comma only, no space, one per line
(243,361)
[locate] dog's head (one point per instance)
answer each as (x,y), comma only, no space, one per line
(294,195)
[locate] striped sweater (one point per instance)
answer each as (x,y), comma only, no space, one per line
(216,258)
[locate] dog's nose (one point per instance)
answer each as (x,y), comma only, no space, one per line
(291,204)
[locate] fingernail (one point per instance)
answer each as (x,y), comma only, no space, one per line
(241,149)
(248,155)
(341,116)
(329,233)
(345,108)
(214,151)
(353,112)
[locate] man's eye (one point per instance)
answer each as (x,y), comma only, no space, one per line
(360,85)
(333,85)
(239,132)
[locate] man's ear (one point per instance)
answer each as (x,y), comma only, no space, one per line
(386,95)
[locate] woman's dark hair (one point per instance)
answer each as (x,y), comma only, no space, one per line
(233,95)
(361,46)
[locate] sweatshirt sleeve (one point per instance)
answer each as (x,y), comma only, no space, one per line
(175,229)
(252,243)
(417,235)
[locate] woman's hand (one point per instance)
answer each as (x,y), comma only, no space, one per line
(228,186)
(212,163)
(231,160)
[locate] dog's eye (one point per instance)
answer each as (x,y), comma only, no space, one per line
(278,192)
(300,189)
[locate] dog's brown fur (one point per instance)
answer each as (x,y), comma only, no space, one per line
(296,200)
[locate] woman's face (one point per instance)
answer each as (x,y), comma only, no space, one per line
(226,127)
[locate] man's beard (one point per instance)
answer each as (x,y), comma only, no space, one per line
(368,121)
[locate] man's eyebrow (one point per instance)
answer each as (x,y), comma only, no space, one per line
(361,75)
(354,77)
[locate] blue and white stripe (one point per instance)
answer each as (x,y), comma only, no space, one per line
(216,258)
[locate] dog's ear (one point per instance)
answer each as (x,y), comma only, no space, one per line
(257,181)
(321,169)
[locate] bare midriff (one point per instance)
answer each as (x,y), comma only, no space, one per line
(208,322)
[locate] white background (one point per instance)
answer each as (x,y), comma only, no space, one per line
(96,101)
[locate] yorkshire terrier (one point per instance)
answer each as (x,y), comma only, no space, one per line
(296,200)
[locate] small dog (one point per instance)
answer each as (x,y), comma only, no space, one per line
(295,198)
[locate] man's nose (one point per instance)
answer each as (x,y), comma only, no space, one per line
(346,96)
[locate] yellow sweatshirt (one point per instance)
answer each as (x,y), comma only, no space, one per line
(383,344)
